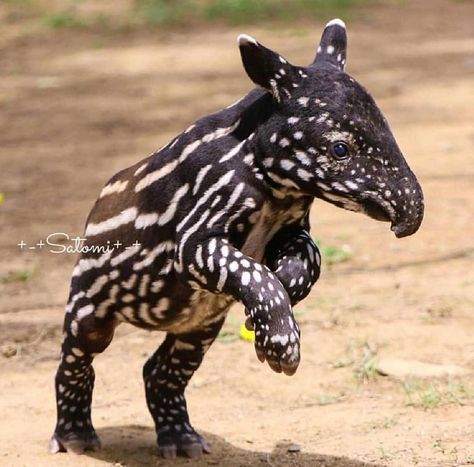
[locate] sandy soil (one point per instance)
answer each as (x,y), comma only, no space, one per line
(78,106)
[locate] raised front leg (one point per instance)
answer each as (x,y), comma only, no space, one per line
(295,259)
(166,374)
(217,266)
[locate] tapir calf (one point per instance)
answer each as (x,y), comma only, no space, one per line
(219,215)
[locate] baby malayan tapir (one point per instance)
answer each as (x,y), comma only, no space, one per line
(220,215)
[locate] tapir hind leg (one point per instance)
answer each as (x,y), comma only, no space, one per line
(84,337)
(166,374)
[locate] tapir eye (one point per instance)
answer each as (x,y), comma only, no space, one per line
(340,150)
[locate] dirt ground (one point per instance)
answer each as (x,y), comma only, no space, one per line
(78,106)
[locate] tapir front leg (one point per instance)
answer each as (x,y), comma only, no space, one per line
(295,259)
(217,266)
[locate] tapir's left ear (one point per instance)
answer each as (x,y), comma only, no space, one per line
(333,45)
(267,68)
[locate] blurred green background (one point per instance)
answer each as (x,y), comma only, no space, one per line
(121,14)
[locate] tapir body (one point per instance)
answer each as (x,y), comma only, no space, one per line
(219,215)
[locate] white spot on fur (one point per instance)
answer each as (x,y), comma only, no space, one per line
(304,174)
(268,161)
(302,157)
(245,279)
(351,185)
(287,164)
(303,101)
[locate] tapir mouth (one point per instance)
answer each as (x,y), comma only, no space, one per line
(404,221)
(380,209)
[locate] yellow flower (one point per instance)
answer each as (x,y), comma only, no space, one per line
(246,335)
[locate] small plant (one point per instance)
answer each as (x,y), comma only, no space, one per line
(341,363)
(414,457)
(230,331)
(438,445)
(458,392)
(227,336)
(334,254)
(63,20)
(240,11)
(384,455)
(421,394)
(164,12)
(16,276)
(366,370)
(430,395)
(299,312)
(329,399)
(385,423)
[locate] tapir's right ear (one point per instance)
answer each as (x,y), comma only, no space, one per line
(268,69)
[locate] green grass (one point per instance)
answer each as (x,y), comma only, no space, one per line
(366,367)
(164,12)
(239,11)
(227,336)
(336,254)
(333,254)
(246,11)
(430,395)
(367,370)
(67,15)
(71,20)
(63,21)
(16,276)
(169,12)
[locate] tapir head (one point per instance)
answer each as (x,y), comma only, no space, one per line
(327,137)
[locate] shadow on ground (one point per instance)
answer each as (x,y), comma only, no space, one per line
(134,446)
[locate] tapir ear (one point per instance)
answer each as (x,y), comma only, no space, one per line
(267,68)
(333,45)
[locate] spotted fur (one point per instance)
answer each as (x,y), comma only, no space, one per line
(220,215)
